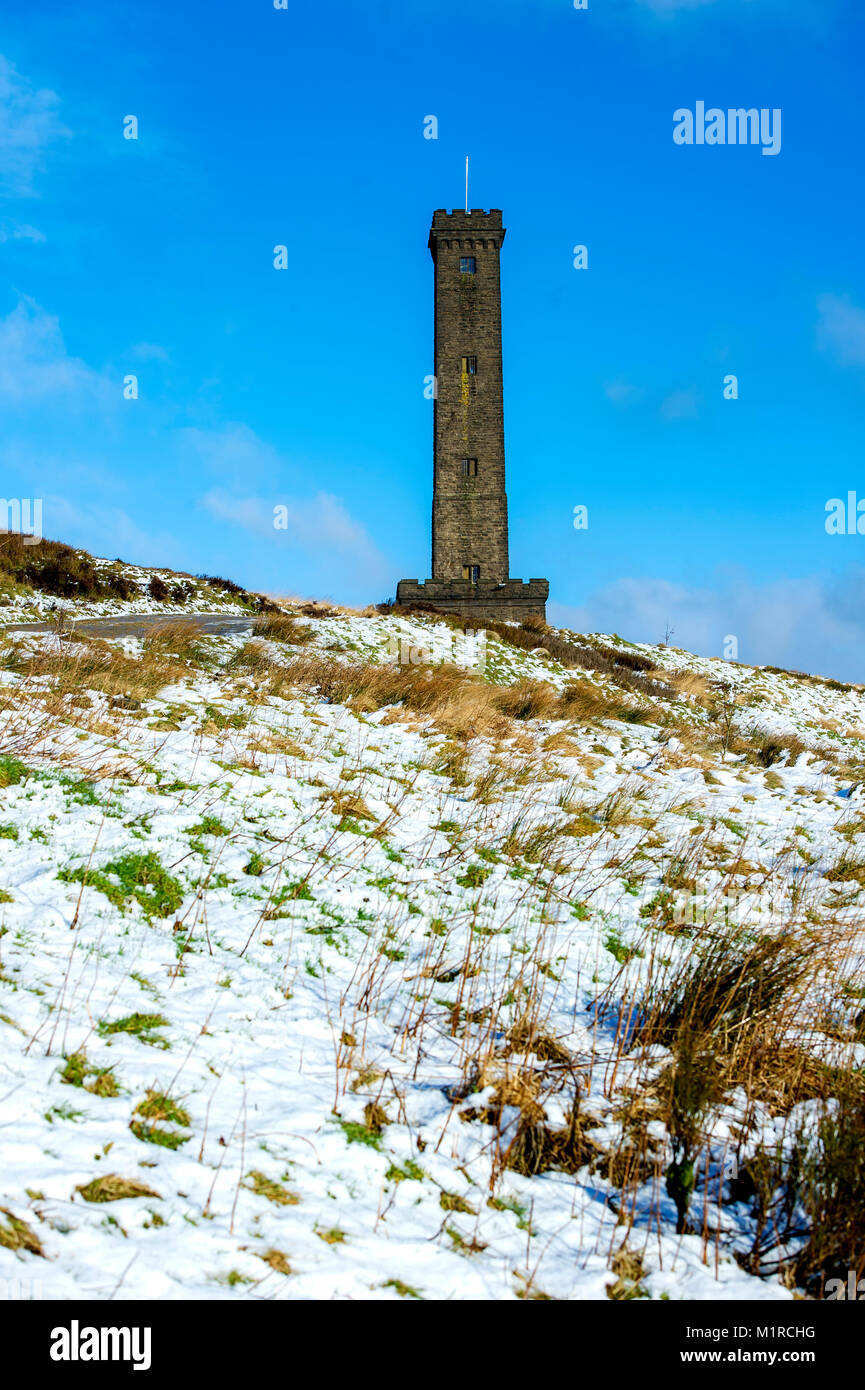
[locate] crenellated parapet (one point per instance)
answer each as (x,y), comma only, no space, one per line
(509,601)
(465,231)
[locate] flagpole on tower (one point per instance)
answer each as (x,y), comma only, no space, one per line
(467,183)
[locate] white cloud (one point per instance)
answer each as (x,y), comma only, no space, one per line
(318,526)
(149,352)
(35,366)
(622,393)
(671,6)
(29,124)
(233,452)
(249,512)
(681,405)
(109,532)
(678,405)
(815,623)
(805,12)
(20,231)
(841,329)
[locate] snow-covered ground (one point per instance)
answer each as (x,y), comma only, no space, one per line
(21,604)
(268,957)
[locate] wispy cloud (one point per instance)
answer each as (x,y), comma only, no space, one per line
(29,124)
(841,329)
(20,231)
(148,352)
(319,526)
(622,393)
(672,6)
(801,13)
(233,453)
(119,535)
(681,405)
(815,623)
(35,366)
(65,426)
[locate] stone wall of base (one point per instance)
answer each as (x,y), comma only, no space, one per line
(512,600)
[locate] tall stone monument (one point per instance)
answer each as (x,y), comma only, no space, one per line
(470,508)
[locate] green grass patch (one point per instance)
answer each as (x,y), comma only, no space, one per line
(100,1081)
(294,892)
(152,1134)
(79,789)
(264,1186)
(474,877)
(63,1112)
(404,1290)
(332,1237)
(209,825)
(405,1172)
(141,1026)
(619,948)
(357,1133)
(157,1106)
(235,720)
(12,771)
(138,877)
(451,1201)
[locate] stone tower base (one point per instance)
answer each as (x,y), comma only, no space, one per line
(511,600)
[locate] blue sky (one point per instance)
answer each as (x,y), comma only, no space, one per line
(304,387)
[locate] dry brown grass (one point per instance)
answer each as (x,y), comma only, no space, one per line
(693,684)
(282,627)
(254,659)
(527,699)
(347,804)
(271,742)
(91,664)
(627,1265)
(460,704)
(527,1036)
(531,1146)
(15,1234)
(768,748)
(733,989)
(785,1075)
(562,744)
(472,711)
(588,702)
(318,608)
(113,1187)
(277,1261)
(179,638)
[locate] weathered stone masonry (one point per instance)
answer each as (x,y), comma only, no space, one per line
(470,510)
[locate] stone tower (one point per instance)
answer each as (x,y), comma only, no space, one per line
(470,508)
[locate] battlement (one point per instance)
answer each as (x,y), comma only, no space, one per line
(510,601)
(465,228)
(460,218)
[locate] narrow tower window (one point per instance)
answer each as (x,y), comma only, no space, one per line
(470,366)
(469,468)
(472,573)
(467,265)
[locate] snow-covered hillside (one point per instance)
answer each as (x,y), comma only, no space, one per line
(42,580)
(323,974)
